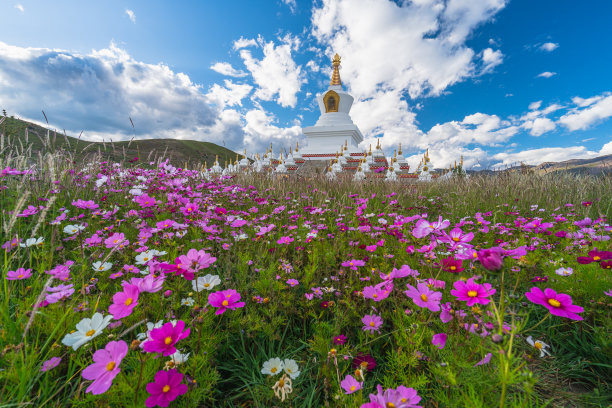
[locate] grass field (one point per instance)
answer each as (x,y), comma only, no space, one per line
(254,291)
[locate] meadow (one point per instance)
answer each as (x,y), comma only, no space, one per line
(143,284)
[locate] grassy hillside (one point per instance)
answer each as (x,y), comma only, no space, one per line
(40,139)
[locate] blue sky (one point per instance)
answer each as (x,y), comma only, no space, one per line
(498,81)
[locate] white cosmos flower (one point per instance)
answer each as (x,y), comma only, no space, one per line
(144,257)
(73,229)
(205,282)
(101,181)
(101,267)
(150,326)
(291,368)
(179,358)
(540,345)
(273,366)
(136,191)
(188,301)
(564,271)
(86,330)
(31,242)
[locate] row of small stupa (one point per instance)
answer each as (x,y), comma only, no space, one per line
(333,143)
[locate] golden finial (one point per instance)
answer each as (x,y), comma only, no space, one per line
(335,79)
(290,150)
(378,143)
(217,159)
(281,156)
(297,146)
(370,152)
(394,153)
(400,149)
(461,160)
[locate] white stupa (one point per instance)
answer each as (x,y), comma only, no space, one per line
(334,127)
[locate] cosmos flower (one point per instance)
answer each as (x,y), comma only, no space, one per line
(472,292)
(19,274)
(86,330)
(563,271)
(165,388)
(163,339)
(491,258)
(371,323)
(291,368)
(50,364)
(401,397)
(101,267)
(485,360)
(558,304)
(105,366)
(124,302)
(32,242)
(225,299)
(422,296)
(350,384)
(273,366)
(439,340)
(353,264)
(539,345)
(206,282)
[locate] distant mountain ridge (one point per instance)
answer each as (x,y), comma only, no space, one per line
(179,152)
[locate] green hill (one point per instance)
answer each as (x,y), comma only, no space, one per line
(40,139)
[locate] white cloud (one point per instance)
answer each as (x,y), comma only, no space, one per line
(539,126)
(549,46)
(546,74)
(230,95)
(277,75)
(547,154)
(491,59)
(535,105)
(225,68)
(606,149)
(261,130)
(20,7)
(588,112)
(131,15)
(99,91)
(291,4)
(243,43)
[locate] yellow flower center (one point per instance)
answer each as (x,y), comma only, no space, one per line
(375,295)
(20,276)
(596,258)
(206,285)
(166,388)
(423,297)
(353,388)
(110,366)
(554,302)
(168,340)
(128,301)
(472,293)
(372,324)
(101,268)
(538,345)
(453,268)
(225,303)
(90,333)
(273,370)
(403,400)
(364,364)
(281,383)
(456,239)
(390,405)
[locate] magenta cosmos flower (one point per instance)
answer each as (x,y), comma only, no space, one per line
(350,384)
(422,296)
(558,304)
(105,367)
(124,302)
(401,397)
(439,340)
(371,323)
(472,292)
(50,363)
(163,339)
(353,264)
(165,388)
(19,274)
(378,292)
(225,299)
(491,258)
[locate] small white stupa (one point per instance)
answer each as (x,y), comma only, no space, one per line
(334,127)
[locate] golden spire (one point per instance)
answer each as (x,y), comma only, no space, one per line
(370,152)
(297,146)
(461,160)
(335,79)
(378,143)
(400,149)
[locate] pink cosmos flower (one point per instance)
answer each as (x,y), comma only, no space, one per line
(197,260)
(59,292)
(401,397)
(165,388)
(558,304)
(285,240)
(472,292)
(439,340)
(456,236)
(378,292)
(422,296)
(485,360)
(350,384)
(491,258)
(124,302)
(178,268)
(149,283)
(292,282)
(90,204)
(340,339)
(19,274)
(163,339)
(402,272)
(50,363)
(225,299)
(105,367)
(371,323)
(452,265)
(353,264)
(114,240)
(446,315)
(423,227)
(145,201)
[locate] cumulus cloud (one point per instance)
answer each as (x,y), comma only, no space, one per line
(243,43)
(535,105)
(588,112)
(547,154)
(276,75)
(100,90)
(491,59)
(225,68)
(549,46)
(539,126)
(20,7)
(546,74)
(131,15)
(231,94)
(291,4)
(261,129)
